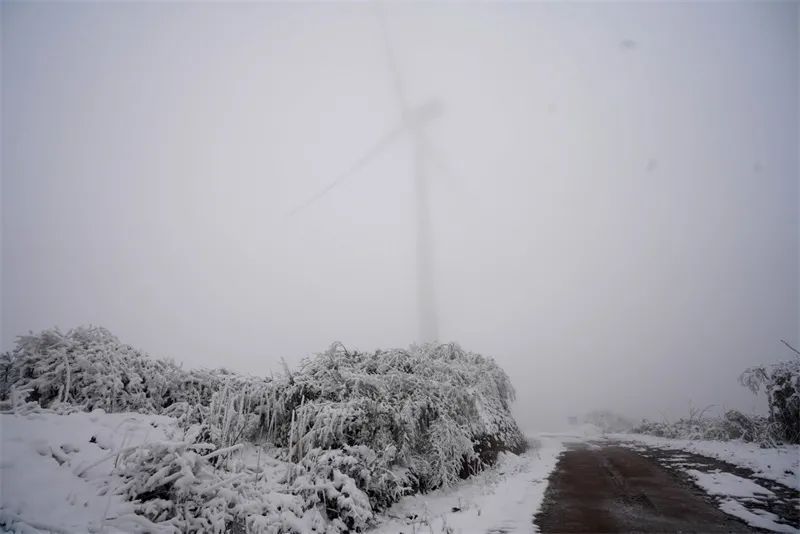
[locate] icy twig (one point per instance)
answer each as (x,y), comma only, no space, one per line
(220,452)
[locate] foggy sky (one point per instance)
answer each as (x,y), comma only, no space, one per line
(615,207)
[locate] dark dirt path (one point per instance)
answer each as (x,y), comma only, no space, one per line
(615,489)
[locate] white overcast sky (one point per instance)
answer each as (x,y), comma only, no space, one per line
(615,212)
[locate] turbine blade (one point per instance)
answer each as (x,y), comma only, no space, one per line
(391,60)
(376,149)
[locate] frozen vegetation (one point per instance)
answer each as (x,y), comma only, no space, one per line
(780,382)
(118,440)
(99,437)
(503,499)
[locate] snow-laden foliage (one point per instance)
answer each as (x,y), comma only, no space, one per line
(437,408)
(184,488)
(732,425)
(781,382)
(358,430)
(334,480)
(89,367)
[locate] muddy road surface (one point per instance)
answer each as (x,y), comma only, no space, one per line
(615,489)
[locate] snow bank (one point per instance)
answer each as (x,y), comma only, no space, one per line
(56,469)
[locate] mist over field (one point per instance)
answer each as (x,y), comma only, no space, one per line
(613,188)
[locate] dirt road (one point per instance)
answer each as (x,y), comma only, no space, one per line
(615,489)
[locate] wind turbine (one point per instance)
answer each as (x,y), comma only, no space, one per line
(413,121)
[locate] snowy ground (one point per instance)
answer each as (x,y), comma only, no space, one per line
(742,498)
(502,499)
(55,470)
(56,475)
(781,464)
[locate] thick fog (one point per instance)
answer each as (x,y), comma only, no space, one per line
(613,188)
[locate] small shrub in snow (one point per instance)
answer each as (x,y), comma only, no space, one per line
(732,425)
(781,382)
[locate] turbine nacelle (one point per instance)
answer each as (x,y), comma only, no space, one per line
(426,112)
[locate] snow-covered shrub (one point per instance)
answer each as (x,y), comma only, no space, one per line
(333,480)
(435,405)
(235,409)
(781,381)
(180,485)
(361,429)
(91,368)
(732,425)
(752,428)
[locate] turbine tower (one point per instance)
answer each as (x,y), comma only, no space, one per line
(413,121)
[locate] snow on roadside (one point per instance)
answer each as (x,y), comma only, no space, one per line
(501,499)
(781,464)
(720,483)
(755,518)
(56,475)
(55,470)
(734,487)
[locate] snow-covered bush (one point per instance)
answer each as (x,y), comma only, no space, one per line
(179,485)
(335,480)
(91,368)
(438,407)
(732,425)
(781,381)
(360,429)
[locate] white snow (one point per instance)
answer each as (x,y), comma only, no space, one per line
(501,499)
(57,474)
(781,464)
(756,517)
(53,477)
(721,483)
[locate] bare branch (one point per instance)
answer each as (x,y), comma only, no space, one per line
(791,347)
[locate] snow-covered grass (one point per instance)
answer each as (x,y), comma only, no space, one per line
(358,430)
(77,473)
(91,472)
(501,499)
(354,433)
(56,470)
(781,464)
